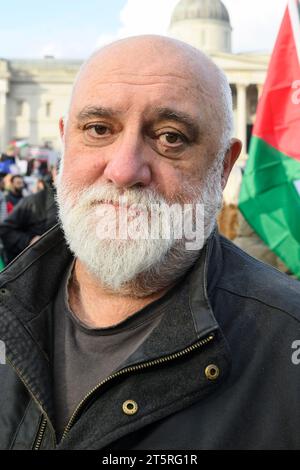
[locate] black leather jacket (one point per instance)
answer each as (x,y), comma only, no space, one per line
(219,374)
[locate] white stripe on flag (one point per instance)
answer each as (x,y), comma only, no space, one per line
(297,186)
(294,10)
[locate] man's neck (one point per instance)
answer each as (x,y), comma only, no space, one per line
(98,308)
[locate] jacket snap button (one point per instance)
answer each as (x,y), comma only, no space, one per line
(130,407)
(212,372)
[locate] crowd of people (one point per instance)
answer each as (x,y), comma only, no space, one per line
(27,204)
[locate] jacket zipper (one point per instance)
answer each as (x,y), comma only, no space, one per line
(45,419)
(40,435)
(130,369)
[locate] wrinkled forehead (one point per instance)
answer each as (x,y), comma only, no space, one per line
(147,67)
(139,93)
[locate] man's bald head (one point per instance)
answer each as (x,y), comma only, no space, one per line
(156,56)
(158,52)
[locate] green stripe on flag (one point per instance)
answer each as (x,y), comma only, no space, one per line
(270,201)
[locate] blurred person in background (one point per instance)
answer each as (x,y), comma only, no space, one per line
(33,216)
(37,168)
(3,206)
(15,193)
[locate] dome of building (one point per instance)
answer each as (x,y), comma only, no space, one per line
(205,24)
(200,9)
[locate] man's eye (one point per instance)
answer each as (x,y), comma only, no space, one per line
(171,139)
(98,130)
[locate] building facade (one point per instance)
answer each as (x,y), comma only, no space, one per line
(34,94)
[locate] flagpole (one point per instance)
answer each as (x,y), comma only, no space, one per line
(294,10)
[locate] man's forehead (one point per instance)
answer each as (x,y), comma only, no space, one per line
(171,78)
(157,105)
(123,90)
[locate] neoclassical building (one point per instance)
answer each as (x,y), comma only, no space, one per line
(35,93)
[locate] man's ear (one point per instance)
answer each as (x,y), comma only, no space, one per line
(62,128)
(231,157)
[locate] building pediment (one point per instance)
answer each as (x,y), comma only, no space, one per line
(242,62)
(47,70)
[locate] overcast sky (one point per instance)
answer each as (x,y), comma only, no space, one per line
(74,28)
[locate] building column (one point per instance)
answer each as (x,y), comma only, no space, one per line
(3,123)
(34,122)
(242,115)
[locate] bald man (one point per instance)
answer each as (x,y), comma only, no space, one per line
(133,324)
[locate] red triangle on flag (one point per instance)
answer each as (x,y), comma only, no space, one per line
(278,114)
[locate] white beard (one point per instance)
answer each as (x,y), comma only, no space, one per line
(138,267)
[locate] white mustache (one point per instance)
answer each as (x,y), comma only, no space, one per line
(106,193)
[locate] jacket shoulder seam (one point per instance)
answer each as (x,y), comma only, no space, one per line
(260,302)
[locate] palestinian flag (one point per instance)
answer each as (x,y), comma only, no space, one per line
(19,143)
(270,192)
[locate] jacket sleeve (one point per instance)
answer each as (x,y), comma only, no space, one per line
(15,230)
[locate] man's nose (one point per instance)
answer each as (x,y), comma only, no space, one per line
(127,165)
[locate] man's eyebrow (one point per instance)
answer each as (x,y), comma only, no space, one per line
(169,114)
(95,112)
